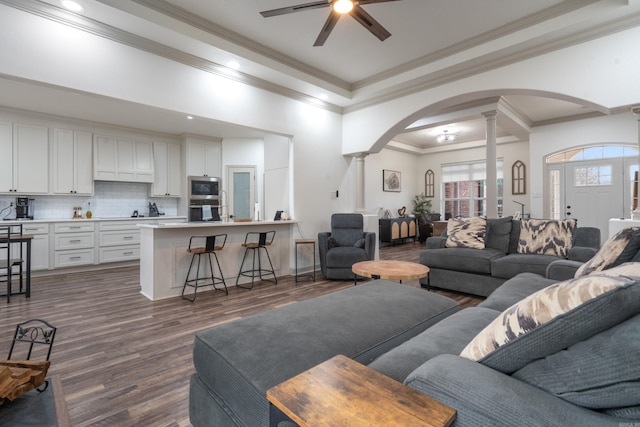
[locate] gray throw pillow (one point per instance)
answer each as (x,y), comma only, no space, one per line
(557,317)
(620,248)
(498,233)
(599,372)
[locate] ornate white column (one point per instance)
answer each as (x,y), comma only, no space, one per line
(360,182)
(492,173)
(635,215)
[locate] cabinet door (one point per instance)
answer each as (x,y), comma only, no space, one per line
(6,159)
(204,159)
(104,158)
(160,155)
(83,163)
(31,145)
(174,170)
(63,161)
(40,252)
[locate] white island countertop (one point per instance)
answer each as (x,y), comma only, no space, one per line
(98,219)
(165,261)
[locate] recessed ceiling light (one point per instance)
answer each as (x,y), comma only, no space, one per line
(233,65)
(72,6)
(190,117)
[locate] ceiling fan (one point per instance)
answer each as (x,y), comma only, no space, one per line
(338,8)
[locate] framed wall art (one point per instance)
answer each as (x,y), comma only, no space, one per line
(391,180)
(518,178)
(429,184)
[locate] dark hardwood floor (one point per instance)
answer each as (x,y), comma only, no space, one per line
(124,360)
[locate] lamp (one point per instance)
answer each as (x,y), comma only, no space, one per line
(446,136)
(343,6)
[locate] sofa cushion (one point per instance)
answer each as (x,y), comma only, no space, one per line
(557,317)
(466,233)
(546,236)
(514,290)
(460,259)
(599,372)
(498,233)
(618,249)
(449,336)
(511,265)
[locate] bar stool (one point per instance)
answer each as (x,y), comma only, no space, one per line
(212,245)
(254,241)
(311,275)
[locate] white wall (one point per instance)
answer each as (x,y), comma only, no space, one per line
(375,197)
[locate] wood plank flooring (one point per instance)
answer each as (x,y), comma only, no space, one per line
(126,361)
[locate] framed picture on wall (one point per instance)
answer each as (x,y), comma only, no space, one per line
(391,180)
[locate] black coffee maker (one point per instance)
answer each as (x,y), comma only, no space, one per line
(24,208)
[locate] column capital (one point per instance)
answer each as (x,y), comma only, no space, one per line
(636,109)
(490,114)
(359,155)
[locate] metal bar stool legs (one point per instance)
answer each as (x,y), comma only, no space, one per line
(254,241)
(210,248)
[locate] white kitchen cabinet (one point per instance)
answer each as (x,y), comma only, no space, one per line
(167,170)
(72,154)
(122,159)
(24,164)
(39,244)
(74,244)
(118,241)
(204,158)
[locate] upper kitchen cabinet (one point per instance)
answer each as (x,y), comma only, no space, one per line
(204,158)
(24,164)
(121,159)
(72,153)
(168,177)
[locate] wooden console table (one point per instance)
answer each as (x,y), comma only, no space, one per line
(393,229)
(343,392)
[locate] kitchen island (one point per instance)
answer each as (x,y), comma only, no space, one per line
(164,260)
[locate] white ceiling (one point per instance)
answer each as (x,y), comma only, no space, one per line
(432,42)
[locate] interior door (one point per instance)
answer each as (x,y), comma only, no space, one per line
(242,191)
(595,192)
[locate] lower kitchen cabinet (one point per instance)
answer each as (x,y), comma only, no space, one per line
(118,241)
(74,244)
(40,248)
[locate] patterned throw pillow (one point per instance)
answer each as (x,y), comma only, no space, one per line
(618,249)
(466,232)
(557,317)
(546,236)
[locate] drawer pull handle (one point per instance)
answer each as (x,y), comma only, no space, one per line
(75,241)
(127,253)
(75,257)
(128,237)
(75,227)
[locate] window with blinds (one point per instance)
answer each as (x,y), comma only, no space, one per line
(464,189)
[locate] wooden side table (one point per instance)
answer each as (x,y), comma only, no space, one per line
(389,270)
(342,392)
(311,275)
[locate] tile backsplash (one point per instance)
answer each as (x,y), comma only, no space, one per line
(110,200)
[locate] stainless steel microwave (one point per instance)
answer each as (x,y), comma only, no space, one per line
(204,187)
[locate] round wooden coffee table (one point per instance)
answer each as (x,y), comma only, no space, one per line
(390,270)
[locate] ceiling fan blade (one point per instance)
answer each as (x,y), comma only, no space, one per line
(369,23)
(297,8)
(374,1)
(331,22)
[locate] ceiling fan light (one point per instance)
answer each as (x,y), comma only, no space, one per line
(343,6)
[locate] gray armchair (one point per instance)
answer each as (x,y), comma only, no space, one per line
(345,245)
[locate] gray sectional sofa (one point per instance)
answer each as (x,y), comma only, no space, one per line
(481,271)
(580,368)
